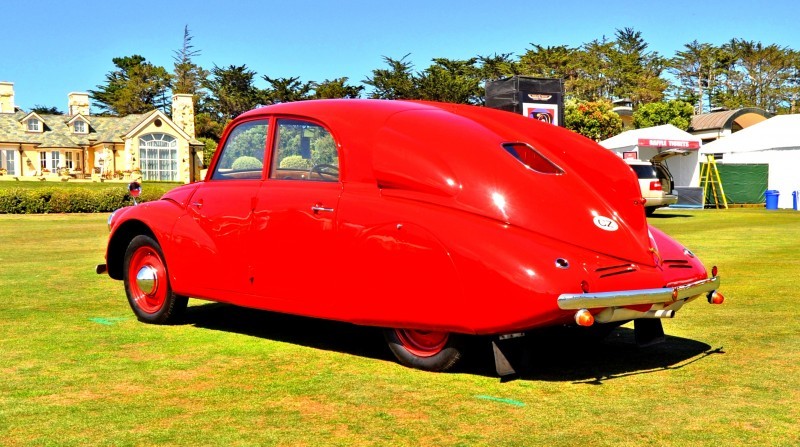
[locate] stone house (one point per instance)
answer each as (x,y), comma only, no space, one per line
(149,145)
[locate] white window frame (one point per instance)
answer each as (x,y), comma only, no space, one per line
(158,157)
(79,126)
(8,161)
(49,160)
(34,125)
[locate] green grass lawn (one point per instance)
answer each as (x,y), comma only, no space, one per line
(35,184)
(77,369)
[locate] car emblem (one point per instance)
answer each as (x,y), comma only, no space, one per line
(604,223)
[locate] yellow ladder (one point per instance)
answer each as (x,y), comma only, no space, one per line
(709,177)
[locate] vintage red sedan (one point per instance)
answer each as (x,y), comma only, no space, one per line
(434,221)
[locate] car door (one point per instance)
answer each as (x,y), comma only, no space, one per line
(217,231)
(296,218)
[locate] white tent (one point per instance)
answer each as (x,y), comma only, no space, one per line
(646,143)
(775,142)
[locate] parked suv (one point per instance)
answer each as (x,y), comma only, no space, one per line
(655,180)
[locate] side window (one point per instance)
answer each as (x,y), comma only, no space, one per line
(242,156)
(304,151)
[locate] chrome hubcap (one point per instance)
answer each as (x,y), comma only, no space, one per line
(147,279)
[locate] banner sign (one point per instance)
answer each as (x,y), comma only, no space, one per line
(673,144)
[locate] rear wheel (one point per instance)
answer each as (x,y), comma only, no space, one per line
(426,350)
(147,283)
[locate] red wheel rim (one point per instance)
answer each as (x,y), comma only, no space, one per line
(147,259)
(422,343)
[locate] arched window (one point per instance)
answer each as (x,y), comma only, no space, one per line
(158,157)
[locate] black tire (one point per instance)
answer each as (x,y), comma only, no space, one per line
(648,211)
(439,356)
(151,298)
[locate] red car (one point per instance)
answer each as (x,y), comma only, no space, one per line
(434,221)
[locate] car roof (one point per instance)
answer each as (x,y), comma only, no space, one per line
(456,155)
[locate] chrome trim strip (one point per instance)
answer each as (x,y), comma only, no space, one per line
(573,301)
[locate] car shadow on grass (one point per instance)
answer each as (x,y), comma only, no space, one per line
(554,354)
(558,355)
(315,333)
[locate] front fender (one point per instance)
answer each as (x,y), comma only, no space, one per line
(154,219)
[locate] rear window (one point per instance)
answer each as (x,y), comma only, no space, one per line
(531,158)
(645,171)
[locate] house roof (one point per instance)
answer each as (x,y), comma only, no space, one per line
(776,133)
(745,117)
(58,134)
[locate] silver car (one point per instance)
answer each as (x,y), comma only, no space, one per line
(655,180)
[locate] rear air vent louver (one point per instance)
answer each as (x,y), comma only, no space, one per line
(612,270)
(677,264)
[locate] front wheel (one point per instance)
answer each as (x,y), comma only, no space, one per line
(147,283)
(425,350)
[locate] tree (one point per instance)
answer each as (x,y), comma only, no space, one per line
(757,75)
(44,110)
(634,72)
(592,119)
(136,86)
(336,88)
(188,77)
(209,148)
(675,112)
(286,90)
(450,80)
(395,82)
(550,62)
(592,82)
(231,92)
(698,68)
(207,125)
(497,66)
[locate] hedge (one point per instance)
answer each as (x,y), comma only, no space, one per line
(69,200)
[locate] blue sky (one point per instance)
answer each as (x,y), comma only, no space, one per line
(54,47)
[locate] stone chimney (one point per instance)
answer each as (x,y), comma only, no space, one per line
(183,112)
(78,103)
(6,97)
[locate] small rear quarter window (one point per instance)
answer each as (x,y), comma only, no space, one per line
(531,158)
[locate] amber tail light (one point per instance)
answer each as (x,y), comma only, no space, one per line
(584,318)
(715,298)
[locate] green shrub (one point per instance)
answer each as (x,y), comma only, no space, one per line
(71,200)
(295,162)
(246,163)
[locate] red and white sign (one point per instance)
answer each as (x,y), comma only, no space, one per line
(630,155)
(674,144)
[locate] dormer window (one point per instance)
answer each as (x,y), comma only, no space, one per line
(79,126)
(34,125)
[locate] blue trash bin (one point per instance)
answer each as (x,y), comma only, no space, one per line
(772,198)
(794,199)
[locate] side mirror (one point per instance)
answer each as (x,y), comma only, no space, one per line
(135,189)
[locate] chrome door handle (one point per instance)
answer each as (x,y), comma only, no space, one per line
(197,204)
(318,208)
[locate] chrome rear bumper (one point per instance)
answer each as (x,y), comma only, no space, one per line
(572,301)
